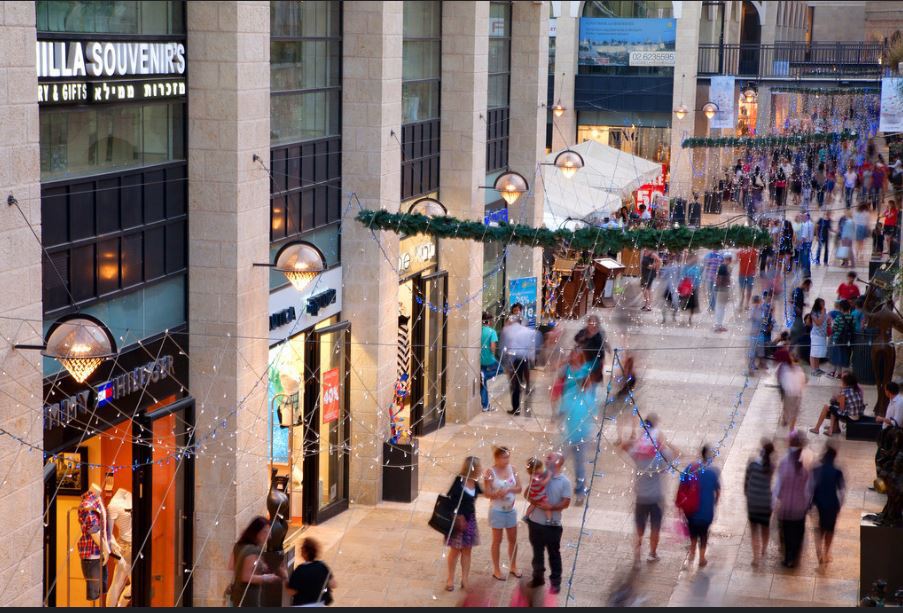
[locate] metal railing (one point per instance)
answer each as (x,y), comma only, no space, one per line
(793,60)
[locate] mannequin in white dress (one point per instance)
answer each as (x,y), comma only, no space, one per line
(120,512)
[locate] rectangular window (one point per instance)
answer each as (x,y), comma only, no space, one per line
(107,138)
(305,71)
(421,64)
(499,53)
(111,17)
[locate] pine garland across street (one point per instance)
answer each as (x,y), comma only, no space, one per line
(761,142)
(595,240)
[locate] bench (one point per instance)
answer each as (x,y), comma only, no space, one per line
(864,429)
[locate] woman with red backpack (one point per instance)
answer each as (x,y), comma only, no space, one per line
(688,287)
(697,495)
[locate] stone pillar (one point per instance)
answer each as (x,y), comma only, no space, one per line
(465,47)
(528,94)
(371,169)
(684,92)
(564,128)
(21,488)
(228,228)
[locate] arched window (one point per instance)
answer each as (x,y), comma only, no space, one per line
(655,9)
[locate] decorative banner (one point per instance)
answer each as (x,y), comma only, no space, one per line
(329,396)
(891,105)
(614,42)
(523,291)
(721,92)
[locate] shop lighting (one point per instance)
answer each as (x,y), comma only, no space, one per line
(300,262)
(709,109)
(750,94)
(558,110)
(80,343)
(569,162)
(681,111)
(510,185)
(428,207)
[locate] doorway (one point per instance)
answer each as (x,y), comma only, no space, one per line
(429,342)
(750,40)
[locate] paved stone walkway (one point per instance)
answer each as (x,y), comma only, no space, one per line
(690,376)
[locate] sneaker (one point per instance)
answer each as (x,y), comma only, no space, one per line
(652,557)
(818,372)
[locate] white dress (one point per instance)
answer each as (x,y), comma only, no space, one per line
(819,339)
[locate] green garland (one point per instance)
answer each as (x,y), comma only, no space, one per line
(595,240)
(768,141)
(827,91)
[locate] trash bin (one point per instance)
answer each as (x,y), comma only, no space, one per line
(862,355)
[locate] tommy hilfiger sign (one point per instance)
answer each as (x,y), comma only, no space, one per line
(82,403)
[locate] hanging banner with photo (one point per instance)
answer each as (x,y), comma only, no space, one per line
(626,42)
(891,105)
(523,291)
(721,92)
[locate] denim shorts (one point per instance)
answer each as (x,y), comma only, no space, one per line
(500,519)
(747,282)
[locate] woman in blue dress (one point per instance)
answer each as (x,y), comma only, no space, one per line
(576,411)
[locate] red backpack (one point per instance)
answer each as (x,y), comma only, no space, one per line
(688,491)
(685,287)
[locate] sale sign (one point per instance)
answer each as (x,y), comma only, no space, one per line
(329,395)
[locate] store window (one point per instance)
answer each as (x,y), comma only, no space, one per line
(656,9)
(499,53)
(109,17)
(305,71)
(91,140)
(646,142)
(421,68)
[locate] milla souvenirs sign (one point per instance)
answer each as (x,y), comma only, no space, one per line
(84,402)
(87,72)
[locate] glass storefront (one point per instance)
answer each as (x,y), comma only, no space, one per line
(108,17)
(646,142)
(309,420)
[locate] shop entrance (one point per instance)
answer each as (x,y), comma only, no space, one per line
(421,349)
(137,471)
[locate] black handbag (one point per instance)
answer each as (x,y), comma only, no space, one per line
(443,517)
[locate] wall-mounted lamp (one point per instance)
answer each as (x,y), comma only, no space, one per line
(80,343)
(510,185)
(300,262)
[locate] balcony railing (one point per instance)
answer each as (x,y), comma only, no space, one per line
(793,60)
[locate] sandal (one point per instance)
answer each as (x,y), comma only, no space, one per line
(518,574)
(813,430)
(449,588)
(497,578)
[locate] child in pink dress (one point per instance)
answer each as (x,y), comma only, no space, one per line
(536,493)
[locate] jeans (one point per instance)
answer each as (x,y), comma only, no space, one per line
(710,285)
(818,259)
(542,539)
(518,379)
(848,196)
(805,259)
(487,373)
(579,453)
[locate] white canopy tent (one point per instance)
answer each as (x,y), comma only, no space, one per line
(608,175)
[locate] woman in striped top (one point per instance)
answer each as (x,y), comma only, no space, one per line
(757,487)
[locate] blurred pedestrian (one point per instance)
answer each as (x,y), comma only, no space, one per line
(818,337)
(791,500)
(576,413)
(518,352)
(823,236)
(747,264)
(250,572)
(501,485)
(710,265)
(708,491)
(791,381)
(312,582)
(828,491)
(489,366)
(757,488)
(591,340)
(650,264)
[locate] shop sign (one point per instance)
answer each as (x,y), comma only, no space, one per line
(329,396)
(86,72)
(292,311)
(523,291)
(109,91)
(80,404)
(416,253)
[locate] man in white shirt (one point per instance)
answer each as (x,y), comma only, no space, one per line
(894,414)
(518,345)
(805,235)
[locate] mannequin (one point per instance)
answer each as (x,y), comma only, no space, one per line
(120,512)
(94,544)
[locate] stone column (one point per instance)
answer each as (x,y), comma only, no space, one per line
(564,128)
(528,95)
(21,488)
(228,227)
(684,92)
(465,47)
(371,169)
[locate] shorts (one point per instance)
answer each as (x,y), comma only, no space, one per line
(648,511)
(95,574)
(834,409)
(647,280)
(500,519)
(699,531)
(747,282)
(759,519)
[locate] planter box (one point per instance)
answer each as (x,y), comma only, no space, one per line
(401,474)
